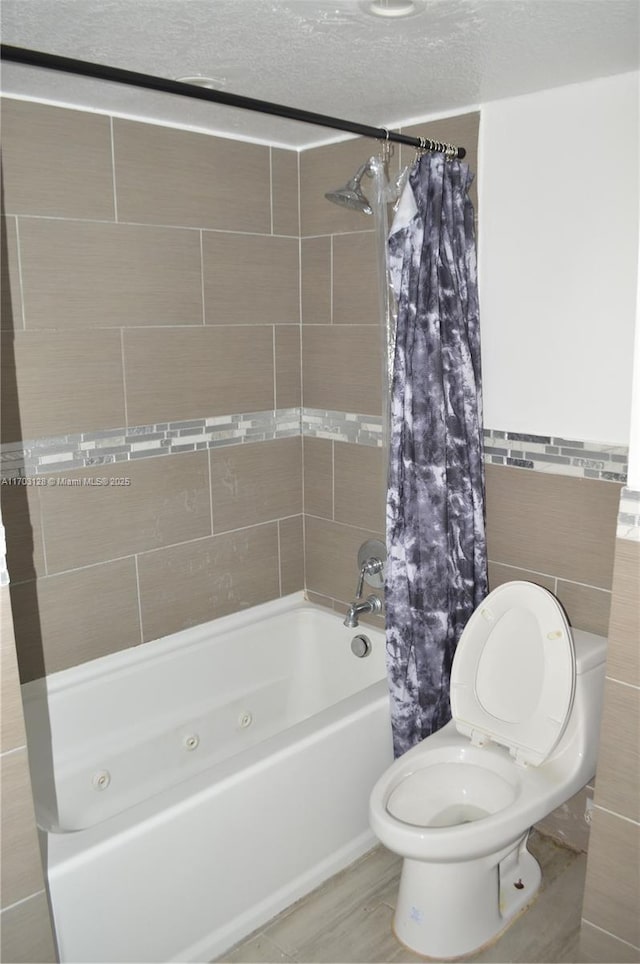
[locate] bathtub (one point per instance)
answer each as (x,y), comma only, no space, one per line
(189,789)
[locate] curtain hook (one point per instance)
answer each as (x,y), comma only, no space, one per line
(387,147)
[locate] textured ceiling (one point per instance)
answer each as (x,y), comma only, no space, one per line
(328,57)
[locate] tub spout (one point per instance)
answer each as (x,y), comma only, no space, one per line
(371,604)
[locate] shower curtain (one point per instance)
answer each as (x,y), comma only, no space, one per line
(436,568)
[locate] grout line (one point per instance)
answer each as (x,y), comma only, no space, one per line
(333,480)
(24,900)
(14,750)
(204,316)
(171,545)
(279,560)
(608,933)
(548,575)
(613,813)
(300,367)
(299,199)
(210,490)
(153,224)
(621,682)
(584,585)
(304,551)
(44,544)
(113,173)
(212,326)
(20,281)
(275,369)
(347,525)
(139,598)
(331,279)
(124,379)
(271,188)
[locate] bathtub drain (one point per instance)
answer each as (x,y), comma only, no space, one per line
(191,742)
(245,719)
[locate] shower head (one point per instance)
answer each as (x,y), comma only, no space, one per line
(351,196)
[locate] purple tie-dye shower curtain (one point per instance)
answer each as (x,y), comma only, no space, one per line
(436,568)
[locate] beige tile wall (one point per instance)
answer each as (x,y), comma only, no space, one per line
(151,275)
(611,919)
(558,531)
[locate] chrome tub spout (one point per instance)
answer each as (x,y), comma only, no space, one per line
(372,604)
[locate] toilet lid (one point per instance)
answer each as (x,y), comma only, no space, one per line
(513,674)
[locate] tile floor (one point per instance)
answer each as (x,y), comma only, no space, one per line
(348,919)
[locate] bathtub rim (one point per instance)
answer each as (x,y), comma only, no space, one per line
(165,646)
(307,730)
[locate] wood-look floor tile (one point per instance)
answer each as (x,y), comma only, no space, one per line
(332,903)
(350,917)
(364,935)
(258,950)
(548,929)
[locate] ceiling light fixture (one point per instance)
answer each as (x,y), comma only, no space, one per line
(392,8)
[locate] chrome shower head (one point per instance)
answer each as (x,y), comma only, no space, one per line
(351,196)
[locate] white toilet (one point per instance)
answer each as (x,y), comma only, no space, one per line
(526,698)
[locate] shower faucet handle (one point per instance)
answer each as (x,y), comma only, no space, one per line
(370,567)
(372,557)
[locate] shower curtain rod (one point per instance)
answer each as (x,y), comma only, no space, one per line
(37,58)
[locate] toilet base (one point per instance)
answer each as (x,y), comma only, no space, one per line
(446,910)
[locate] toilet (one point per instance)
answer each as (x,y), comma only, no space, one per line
(526,700)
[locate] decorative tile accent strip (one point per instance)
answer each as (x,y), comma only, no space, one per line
(45,455)
(342,426)
(629,515)
(546,453)
(541,453)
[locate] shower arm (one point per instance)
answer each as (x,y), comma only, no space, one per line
(132,78)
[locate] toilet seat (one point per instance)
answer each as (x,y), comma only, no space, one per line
(513,674)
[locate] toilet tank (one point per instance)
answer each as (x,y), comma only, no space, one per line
(577,750)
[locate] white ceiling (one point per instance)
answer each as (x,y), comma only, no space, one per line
(327,56)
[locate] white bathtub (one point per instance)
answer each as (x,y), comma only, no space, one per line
(190,788)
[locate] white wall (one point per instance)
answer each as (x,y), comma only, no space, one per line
(558,259)
(633,478)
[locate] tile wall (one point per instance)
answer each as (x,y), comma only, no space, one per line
(136,253)
(611,923)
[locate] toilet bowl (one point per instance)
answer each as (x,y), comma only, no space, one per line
(526,700)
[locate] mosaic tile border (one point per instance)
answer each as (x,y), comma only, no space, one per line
(590,460)
(560,456)
(342,426)
(629,515)
(41,456)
